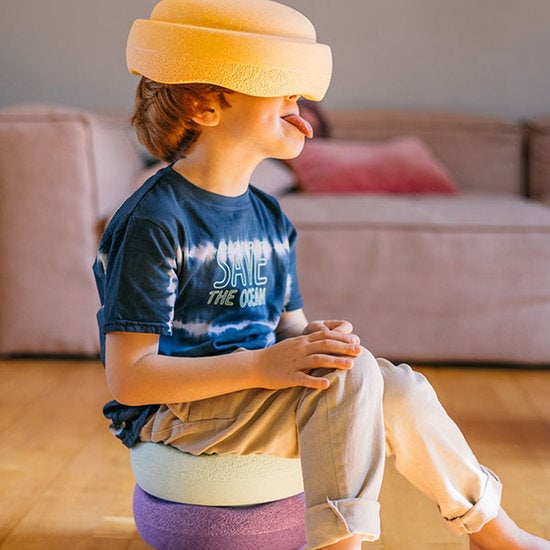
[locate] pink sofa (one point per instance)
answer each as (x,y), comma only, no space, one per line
(454,278)
(62,173)
(446,278)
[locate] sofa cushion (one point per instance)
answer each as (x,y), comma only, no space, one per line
(483,154)
(429,278)
(403,165)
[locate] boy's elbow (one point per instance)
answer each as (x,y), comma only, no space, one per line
(118,391)
(124,352)
(122,390)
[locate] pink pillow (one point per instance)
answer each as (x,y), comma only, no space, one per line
(404,165)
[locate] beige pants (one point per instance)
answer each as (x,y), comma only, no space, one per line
(342,436)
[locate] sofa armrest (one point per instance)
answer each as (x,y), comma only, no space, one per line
(61,172)
(538,173)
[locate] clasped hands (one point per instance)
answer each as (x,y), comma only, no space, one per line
(322,345)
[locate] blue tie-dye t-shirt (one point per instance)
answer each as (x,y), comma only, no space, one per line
(208,273)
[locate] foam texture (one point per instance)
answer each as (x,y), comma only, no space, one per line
(170,526)
(256,47)
(214,480)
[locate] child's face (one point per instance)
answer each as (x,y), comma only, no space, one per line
(259,124)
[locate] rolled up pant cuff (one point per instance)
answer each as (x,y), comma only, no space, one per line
(483,511)
(339,519)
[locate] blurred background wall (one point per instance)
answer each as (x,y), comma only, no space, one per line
(481,56)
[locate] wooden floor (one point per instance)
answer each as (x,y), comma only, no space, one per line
(66,483)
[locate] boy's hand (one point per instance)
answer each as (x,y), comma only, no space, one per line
(288,363)
(344,327)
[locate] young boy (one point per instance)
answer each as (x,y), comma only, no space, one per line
(204,339)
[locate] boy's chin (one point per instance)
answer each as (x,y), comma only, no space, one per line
(291,152)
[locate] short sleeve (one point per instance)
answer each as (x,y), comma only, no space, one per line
(293,298)
(141,279)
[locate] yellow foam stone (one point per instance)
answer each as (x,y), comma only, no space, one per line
(214,480)
(256,47)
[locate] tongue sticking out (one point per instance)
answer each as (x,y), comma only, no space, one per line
(301,123)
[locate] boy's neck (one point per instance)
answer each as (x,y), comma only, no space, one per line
(227,173)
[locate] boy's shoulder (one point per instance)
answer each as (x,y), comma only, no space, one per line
(148,201)
(264,196)
(267,198)
(272,206)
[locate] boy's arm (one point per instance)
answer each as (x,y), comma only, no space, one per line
(138,375)
(291,323)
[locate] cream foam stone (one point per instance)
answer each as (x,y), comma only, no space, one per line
(256,47)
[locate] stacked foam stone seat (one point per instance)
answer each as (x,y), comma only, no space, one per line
(210,502)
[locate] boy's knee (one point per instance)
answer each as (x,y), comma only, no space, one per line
(365,373)
(363,379)
(404,389)
(367,364)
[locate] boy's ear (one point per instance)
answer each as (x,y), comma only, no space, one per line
(209,116)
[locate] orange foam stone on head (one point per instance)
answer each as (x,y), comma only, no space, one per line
(256,47)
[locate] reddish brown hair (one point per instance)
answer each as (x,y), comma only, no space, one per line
(163,115)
